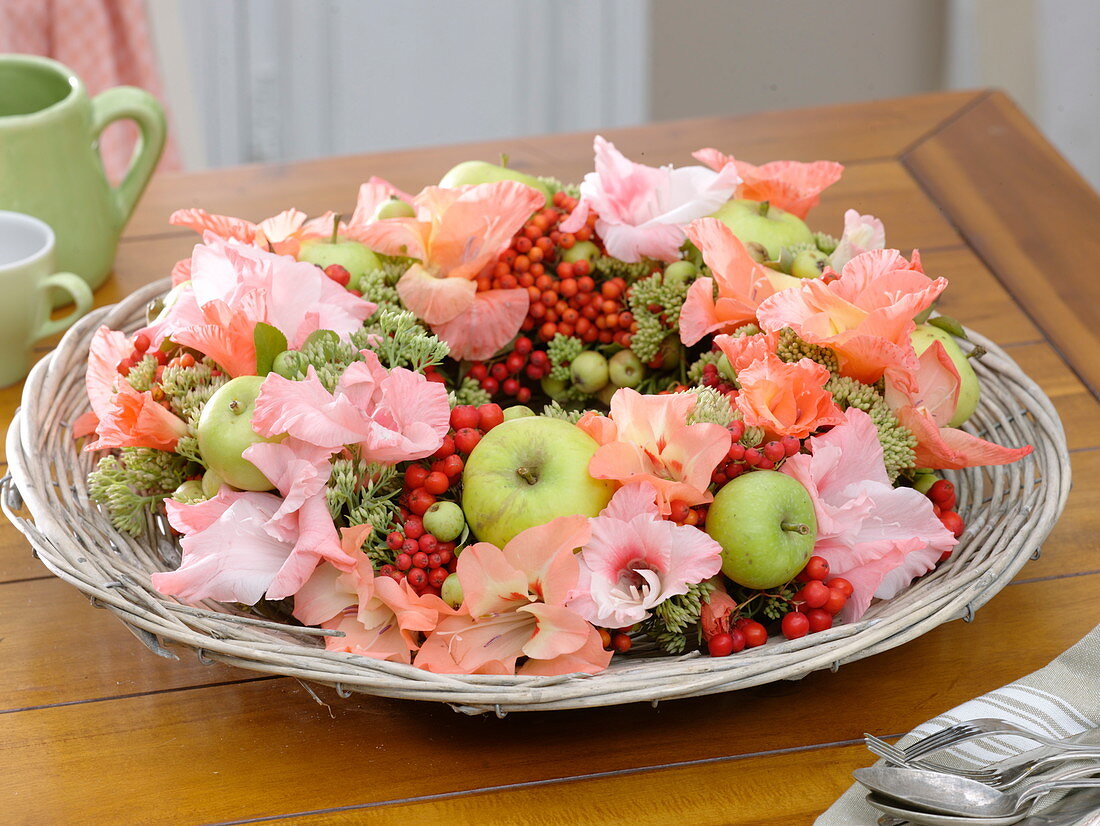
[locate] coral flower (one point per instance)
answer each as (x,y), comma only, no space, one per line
(714,619)
(515,607)
(642,209)
(786,399)
(865,316)
(282,233)
(133,419)
(647,440)
(740,281)
(925,401)
(861,233)
(233,287)
(108,347)
(454,236)
(393,415)
(635,560)
(876,536)
(380,618)
(790,185)
(743,351)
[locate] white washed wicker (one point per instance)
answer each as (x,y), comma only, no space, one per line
(1009,512)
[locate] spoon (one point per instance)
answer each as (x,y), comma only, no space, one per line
(1068,815)
(953,795)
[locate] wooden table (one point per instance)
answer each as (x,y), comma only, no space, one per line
(99,730)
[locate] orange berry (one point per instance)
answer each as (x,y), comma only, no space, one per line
(565,328)
(535,254)
(583,234)
(568,287)
(547,331)
(549,298)
(567,240)
(544,282)
(585,284)
(526,280)
(537,309)
(508,282)
(609,289)
(532,231)
(521,264)
(522,244)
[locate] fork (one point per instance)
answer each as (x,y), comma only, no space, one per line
(999,775)
(982,727)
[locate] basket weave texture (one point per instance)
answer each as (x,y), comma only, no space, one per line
(1009,512)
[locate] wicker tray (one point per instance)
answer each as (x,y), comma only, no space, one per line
(1009,512)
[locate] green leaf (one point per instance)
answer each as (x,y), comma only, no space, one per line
(948,324)
(269,343)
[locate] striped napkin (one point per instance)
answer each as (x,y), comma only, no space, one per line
(1059,700)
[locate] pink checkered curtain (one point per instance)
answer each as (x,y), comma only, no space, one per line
(105,42)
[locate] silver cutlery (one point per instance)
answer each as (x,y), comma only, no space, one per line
(960,796)
(1082,805)
(983,727)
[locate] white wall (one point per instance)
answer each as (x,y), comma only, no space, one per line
(288,79)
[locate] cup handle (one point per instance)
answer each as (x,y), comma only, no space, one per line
(129,102)
(75,286)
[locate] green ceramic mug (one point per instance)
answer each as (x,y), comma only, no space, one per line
(50,165)
(27,278)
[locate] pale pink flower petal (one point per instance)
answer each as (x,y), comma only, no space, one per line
(232,559)
(372,195)
(876,536)
(743,351)
(786,399)
(299,470)
(861,233)
(490,582)
(411,419)
(949,448)
(642,210)
(278,231)
(181,271)
(324,595)
(307,411)
(396,236)
(490,322)
(558,631)
(790,185)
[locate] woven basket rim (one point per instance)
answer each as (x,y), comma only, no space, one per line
(1011,509)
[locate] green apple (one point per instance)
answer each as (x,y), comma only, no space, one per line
(605,393)
(809,264)
(225,432)
(482,172)
(451,592)
(211,483)
(554,388)
(354,257)
(190,491)
(970,389)
(394,208)
(444,521)
(517,411)
(527,472)
(760,223)
(626,369)
(765,523)
(581,249)
(679,272)
(923,481)
(589,371)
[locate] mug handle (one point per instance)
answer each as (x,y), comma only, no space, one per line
(131,103)
(75,286)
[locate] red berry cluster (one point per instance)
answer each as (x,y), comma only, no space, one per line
(741,459)
(942,494)
(141,346)
(712,378)
(510,375)
(744,633)
(616,639)
(683,514)
(419,557)
(816,602)
(565,298)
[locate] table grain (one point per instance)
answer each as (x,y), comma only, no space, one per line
(97,729)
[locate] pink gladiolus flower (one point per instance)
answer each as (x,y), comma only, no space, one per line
(282,234)
(455,235)
(230,553)
(876,536)
(790,185)
(925,400)
(380,618)
(861,233)
(742,284)
(233,287)
(134,419)
(865,316)
(647,440)
(393,415)
(240,546)
(515,607)
(642,209)
(786,399)
(372,195)
(635,560)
